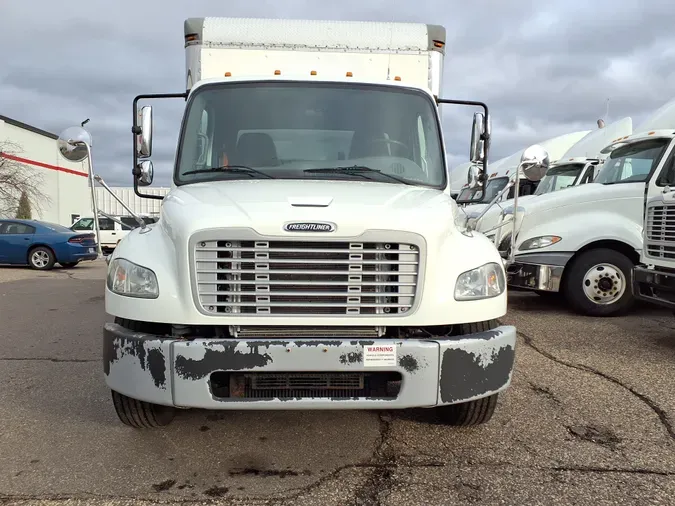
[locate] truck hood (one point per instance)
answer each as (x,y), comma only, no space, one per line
(266,205)
(581,195)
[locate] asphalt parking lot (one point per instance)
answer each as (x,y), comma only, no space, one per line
(589,419)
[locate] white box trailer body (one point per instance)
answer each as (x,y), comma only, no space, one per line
(369,51)
(330,266)
(585,241)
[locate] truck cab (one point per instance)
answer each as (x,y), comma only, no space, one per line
(309,254)
(579,165)
(653,279)
(585,241)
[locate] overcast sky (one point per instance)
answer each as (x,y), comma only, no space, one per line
(544,68)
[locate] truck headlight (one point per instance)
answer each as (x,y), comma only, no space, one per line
(481,283)
(539,242)
(131,280)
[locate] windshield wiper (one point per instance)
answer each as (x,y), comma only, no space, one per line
(236,169)
(358,170)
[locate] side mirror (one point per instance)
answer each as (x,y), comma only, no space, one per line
(73,144)
(472,176)
(144,137)
(145,173)
(480,137)
(534,162)
(477,147)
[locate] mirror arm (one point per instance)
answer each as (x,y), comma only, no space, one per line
(512,252)
(492,203)
(142,223)
(135,130)
(106,215)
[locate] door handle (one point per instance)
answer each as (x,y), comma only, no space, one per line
(26,238)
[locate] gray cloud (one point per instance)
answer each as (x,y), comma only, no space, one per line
(544,68)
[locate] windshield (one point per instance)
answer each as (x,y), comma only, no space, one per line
(279,130)
(493,187)
(559,177)
(632,163)
(476,195)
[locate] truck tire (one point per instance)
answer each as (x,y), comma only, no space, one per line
(141,414)
(598,283)
(470,413)
(41,258)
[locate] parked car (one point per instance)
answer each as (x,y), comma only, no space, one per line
(111,231)
(40,244)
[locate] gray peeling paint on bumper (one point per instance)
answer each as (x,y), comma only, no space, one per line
(176,372)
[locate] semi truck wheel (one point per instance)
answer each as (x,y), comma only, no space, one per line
(469,413)
(598,283)
(141,414)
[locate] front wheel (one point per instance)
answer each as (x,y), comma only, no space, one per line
(598,283)
(141,414)
(470,413)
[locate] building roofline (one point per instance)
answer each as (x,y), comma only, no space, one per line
(28,127)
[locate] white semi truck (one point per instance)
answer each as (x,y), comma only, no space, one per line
(585,241)
(502,172)
(309,254)
(579,165)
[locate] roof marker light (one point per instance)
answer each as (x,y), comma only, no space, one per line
(349,74)
(277,72)
(228,74)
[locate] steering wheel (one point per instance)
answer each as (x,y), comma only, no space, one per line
(389,141)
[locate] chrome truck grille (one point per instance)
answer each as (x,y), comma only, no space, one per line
(260,277)
(660,233)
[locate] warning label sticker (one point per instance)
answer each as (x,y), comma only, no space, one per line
(378,355)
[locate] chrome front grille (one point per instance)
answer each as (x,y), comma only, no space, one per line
(660,232)
(305,278)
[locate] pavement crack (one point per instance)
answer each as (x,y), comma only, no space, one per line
(544,391)
(663,417)
(602,470)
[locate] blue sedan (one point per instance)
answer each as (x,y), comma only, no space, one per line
(40,244)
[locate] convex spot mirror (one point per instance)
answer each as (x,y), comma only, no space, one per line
(73,142)
(534,162)
(144,137)
(472,176)
(145,173)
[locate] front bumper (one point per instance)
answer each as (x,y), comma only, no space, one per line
(537,271)
(655,286)
(181,373)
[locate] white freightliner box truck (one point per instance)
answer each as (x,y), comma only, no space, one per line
(309,254)
(585,241)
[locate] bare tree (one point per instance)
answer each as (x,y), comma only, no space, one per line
(16,179)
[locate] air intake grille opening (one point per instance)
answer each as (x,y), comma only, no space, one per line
(298,278)
(660,232)
(305,385)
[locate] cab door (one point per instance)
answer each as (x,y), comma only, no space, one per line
(658,232)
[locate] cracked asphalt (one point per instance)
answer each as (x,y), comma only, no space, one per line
(589,419)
